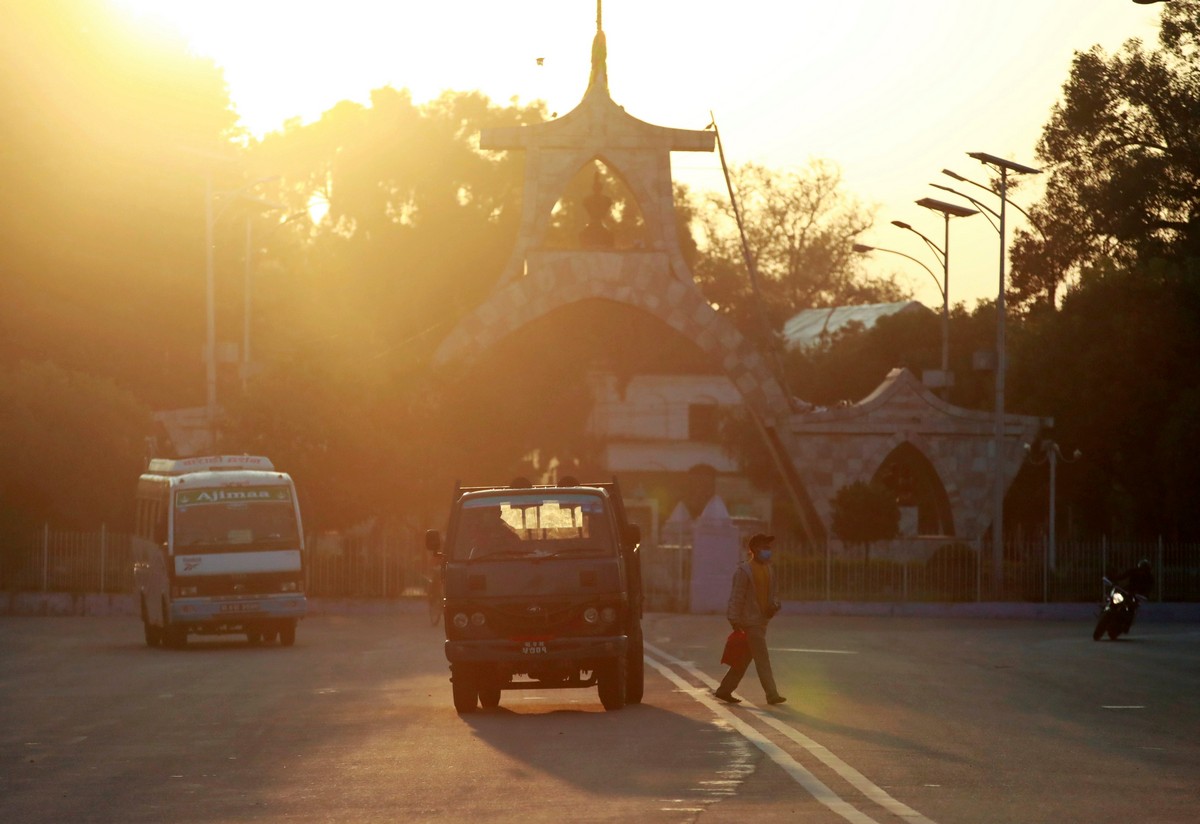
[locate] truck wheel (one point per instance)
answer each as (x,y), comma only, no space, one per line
(635,669)
(610,683)
(173,636)
(465,689)
(152,633)
(489,697)
(287,634)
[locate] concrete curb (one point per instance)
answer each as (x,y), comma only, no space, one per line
(52,604)
(1151,612)
(61,604)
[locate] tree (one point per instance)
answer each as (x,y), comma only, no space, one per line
(102,219)
(1115,367)
(863,513)
(800,228)
(1124,182)
(71,448)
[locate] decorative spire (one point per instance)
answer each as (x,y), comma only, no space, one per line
(599,78)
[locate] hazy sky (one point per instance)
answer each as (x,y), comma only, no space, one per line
(890,91)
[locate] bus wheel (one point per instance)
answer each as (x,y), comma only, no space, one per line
(287,634)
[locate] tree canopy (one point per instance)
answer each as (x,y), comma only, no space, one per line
(1123,162)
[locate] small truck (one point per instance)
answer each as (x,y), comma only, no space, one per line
(542,590)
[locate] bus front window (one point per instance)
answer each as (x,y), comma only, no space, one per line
(218,520)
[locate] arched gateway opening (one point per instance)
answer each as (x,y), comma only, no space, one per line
(527,402)
(924,504)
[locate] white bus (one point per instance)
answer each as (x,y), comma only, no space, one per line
(218,548)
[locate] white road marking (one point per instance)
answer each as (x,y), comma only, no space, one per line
(802,776)
(820,651)
(1123,707)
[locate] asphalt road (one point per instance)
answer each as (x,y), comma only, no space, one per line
(887,720)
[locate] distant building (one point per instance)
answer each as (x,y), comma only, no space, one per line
(814,326)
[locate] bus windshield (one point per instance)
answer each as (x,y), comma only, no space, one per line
(228,519)
(532,524)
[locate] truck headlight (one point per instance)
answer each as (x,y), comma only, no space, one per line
(608,615)
(591,615)
(289,586)
(186,592)
(461,620)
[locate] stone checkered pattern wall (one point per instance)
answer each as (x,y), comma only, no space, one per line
(837,446)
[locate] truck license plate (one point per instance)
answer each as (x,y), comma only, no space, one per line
(240,607)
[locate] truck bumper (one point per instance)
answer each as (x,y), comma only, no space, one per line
(538,651)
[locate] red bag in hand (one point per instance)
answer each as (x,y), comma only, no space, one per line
(737,649)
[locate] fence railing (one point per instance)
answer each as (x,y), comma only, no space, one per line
(48,560)
(958,575)
(397,565)
(953,573)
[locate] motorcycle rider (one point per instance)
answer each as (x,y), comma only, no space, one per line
(1140,579)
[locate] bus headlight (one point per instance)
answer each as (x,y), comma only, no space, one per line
(608,615)
(289,586)
(461,620)
(591,615)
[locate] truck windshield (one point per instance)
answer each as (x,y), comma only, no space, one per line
(235,519)
(535,525)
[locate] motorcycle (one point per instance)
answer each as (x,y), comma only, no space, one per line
(1116,617)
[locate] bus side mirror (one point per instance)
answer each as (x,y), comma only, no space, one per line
(433,541)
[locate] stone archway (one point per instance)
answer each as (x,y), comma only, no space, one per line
(918,488)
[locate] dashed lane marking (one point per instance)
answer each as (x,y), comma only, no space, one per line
(799,774)
(802,776)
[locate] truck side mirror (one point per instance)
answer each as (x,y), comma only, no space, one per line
(433,541)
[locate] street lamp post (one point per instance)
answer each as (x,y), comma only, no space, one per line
(210,326)
(862,249)
(1005,167)
(1052,454)
(210,343)
(248,276)
(947,210)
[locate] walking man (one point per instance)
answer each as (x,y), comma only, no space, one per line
(753,601)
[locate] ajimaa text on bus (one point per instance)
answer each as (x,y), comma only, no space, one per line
(218,548)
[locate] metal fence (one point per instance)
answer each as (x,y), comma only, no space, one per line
(336,566)
(955,574)
(396,564)
(950,574)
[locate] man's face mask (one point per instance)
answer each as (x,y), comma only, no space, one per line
(763,554)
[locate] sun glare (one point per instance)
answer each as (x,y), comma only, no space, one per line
(888,91)
(285,60)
